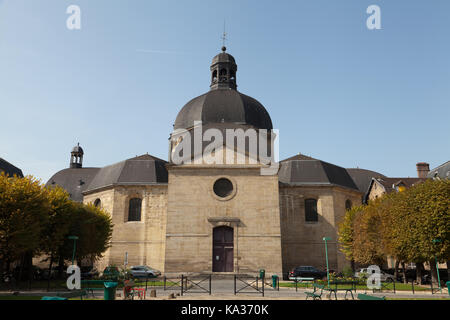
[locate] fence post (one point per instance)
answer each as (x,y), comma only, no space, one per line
(182,282)
(393,282)
(164,283)
(432,290)
(412,285)
(146,279)
(296,285)
(263,287)
(210,278)
(234,284)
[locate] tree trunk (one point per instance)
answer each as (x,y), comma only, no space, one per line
(419,272)
(397,263)
(352,265)
(448,270)
(22,262)
(60,267)
(433,272)
(49,272)
(404,273)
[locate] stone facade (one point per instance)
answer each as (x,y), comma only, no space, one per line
(252,210)
(302,242)
(144,241)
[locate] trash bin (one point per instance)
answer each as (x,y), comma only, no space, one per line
(110,290)
(448,287)
(274,281)
(262,273)
(53,298)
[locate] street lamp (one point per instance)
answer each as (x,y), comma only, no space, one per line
(74,238)
(326,255)
(437,266)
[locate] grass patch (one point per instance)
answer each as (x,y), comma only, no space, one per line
(390,286)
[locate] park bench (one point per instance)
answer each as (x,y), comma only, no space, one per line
(315,295)
(67,295)
(91,285)
(362,296)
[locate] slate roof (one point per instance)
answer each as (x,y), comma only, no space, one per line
(142,170)
(9,169)
(304,170)
(74,181)
(223,106)
(363,177)
(390,183)
(441,172)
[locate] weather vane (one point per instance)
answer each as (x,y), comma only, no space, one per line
(224,37)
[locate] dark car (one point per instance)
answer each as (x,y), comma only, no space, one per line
(307,272)
(88,273)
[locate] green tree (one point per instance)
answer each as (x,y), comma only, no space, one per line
(23,214)
(346,233)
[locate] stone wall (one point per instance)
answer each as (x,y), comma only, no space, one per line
(143,241)
(302,242)
(194,211)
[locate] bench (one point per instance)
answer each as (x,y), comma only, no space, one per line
(315,295)
(362,296)
(90,285)
(67,295)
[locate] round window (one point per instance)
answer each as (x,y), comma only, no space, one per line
(223,187)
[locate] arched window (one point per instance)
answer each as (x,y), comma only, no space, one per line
(134,210)
(348,205)
(98,203)
(214,76)
(311,214)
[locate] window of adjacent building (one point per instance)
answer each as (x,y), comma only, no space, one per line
(348,205)
(98,203)
(134,210)
(311,214)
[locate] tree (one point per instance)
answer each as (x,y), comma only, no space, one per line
(346,233)
(23,213)
(93,226)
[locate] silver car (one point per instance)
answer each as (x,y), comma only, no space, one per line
(144,272)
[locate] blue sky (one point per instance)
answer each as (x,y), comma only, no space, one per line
(376,99)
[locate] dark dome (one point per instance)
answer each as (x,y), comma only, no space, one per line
(77,149)
(223,57)
(223,103)
(224,106)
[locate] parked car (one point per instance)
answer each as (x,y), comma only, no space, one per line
(383,275)
(88,273)
(307,272)
(144,272)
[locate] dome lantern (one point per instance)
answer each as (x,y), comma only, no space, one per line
(223,71)
(76,157)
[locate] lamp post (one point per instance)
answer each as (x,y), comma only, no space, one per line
(74,238)
(326,256)
(435,241)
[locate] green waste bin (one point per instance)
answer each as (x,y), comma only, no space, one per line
(110,290)
(448,287)
(262,273)
(274,281)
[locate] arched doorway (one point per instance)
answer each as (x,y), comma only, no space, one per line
(223,249)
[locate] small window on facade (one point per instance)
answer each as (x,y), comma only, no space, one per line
(348,205)
(98,203)
(311,214)
(134,211)
(214,76)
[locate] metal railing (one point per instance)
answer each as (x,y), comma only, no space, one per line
(255,284)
